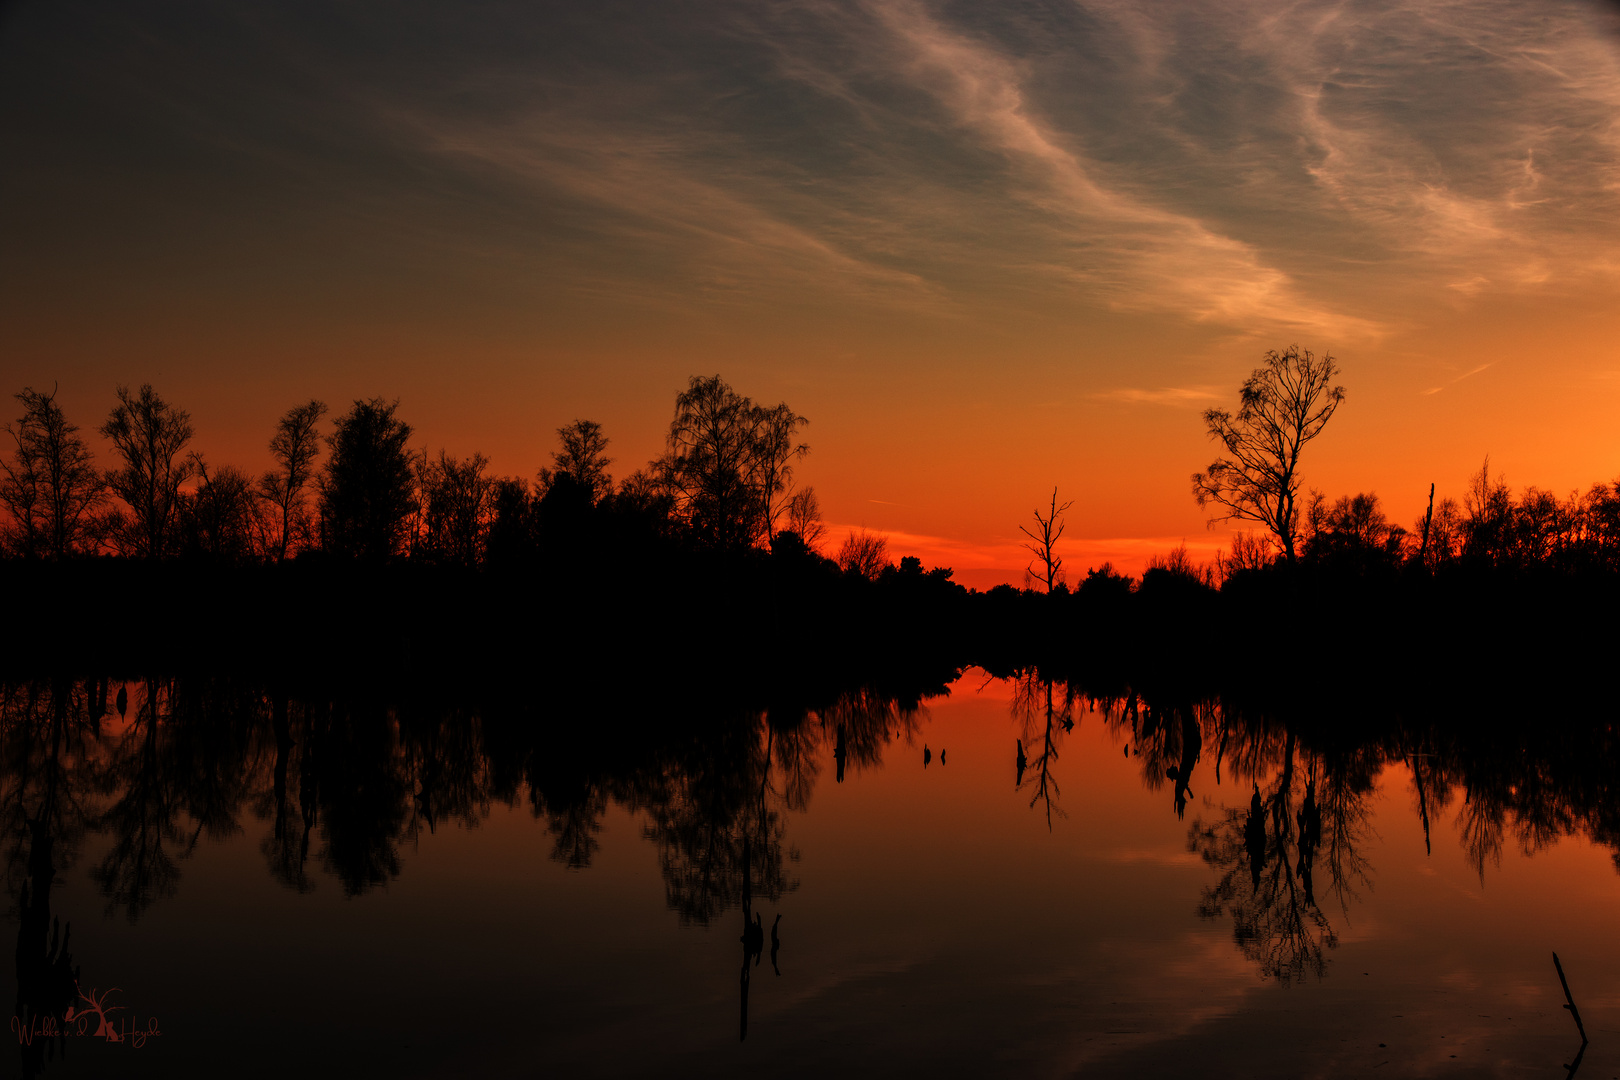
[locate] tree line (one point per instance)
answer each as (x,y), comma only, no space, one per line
(1284,405)
(361,491)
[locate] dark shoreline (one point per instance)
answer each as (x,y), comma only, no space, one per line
(1291,640)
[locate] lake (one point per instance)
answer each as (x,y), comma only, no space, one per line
(1005,878)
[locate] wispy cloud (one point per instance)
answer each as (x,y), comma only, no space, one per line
(1331,170)
(1465,375)
(1470,143)
(648,191)
(1168,395)
(1149,255)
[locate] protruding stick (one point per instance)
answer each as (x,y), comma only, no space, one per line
(1573,1011)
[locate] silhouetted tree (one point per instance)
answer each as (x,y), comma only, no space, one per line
(640,519)
(149,434)
(1285,404)
(1445,534)
(510,540)
(728,463)
(1353,532)
(1543,528)
(1043,544)
(219,520)
(456,509)
(583,455)
(706,467)
(1178,563)
(368,492)
(295,447)
(775,452)
(1249,551)
(864,553)
(1105,580)
(569,524)
(51,487)
(804,518)
(1486,528)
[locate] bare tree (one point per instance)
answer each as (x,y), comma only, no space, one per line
(804,517)
(1353,526)
(295,447)
(149,434)
(1034,706)
(1043,544)
(1178,562)
(1427,523)
(864,553)
(1250,551)
(219,520)
(1285,404)
(584,457)
(458,508)
(51,486)
(707,466)
(1445,529)
(1488,527)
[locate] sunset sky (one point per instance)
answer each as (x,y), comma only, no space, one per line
(985,247)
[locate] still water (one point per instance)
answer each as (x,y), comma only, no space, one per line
(273,887)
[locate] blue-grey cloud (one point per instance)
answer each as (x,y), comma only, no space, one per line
(1328,168)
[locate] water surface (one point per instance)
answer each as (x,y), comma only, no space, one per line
(281,885)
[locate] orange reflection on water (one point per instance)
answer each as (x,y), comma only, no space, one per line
(930,913)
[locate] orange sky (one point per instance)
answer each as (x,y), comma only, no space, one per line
(984,251)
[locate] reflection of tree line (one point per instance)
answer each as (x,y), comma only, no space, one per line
(340,785)
(1296,844)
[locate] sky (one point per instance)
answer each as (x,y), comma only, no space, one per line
(987,249)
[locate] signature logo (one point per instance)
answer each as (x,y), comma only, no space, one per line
(90,1018)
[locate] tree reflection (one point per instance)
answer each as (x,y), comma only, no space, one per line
(145,818)
(716,832)
(1045,715)
(349,780)
(341,779)
(1310,815)
(286,848)
(362,791)
(1168,741)
(865,721)
(1267,892)
(44,736)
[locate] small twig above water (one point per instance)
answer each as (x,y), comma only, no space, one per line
(1573,1011)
